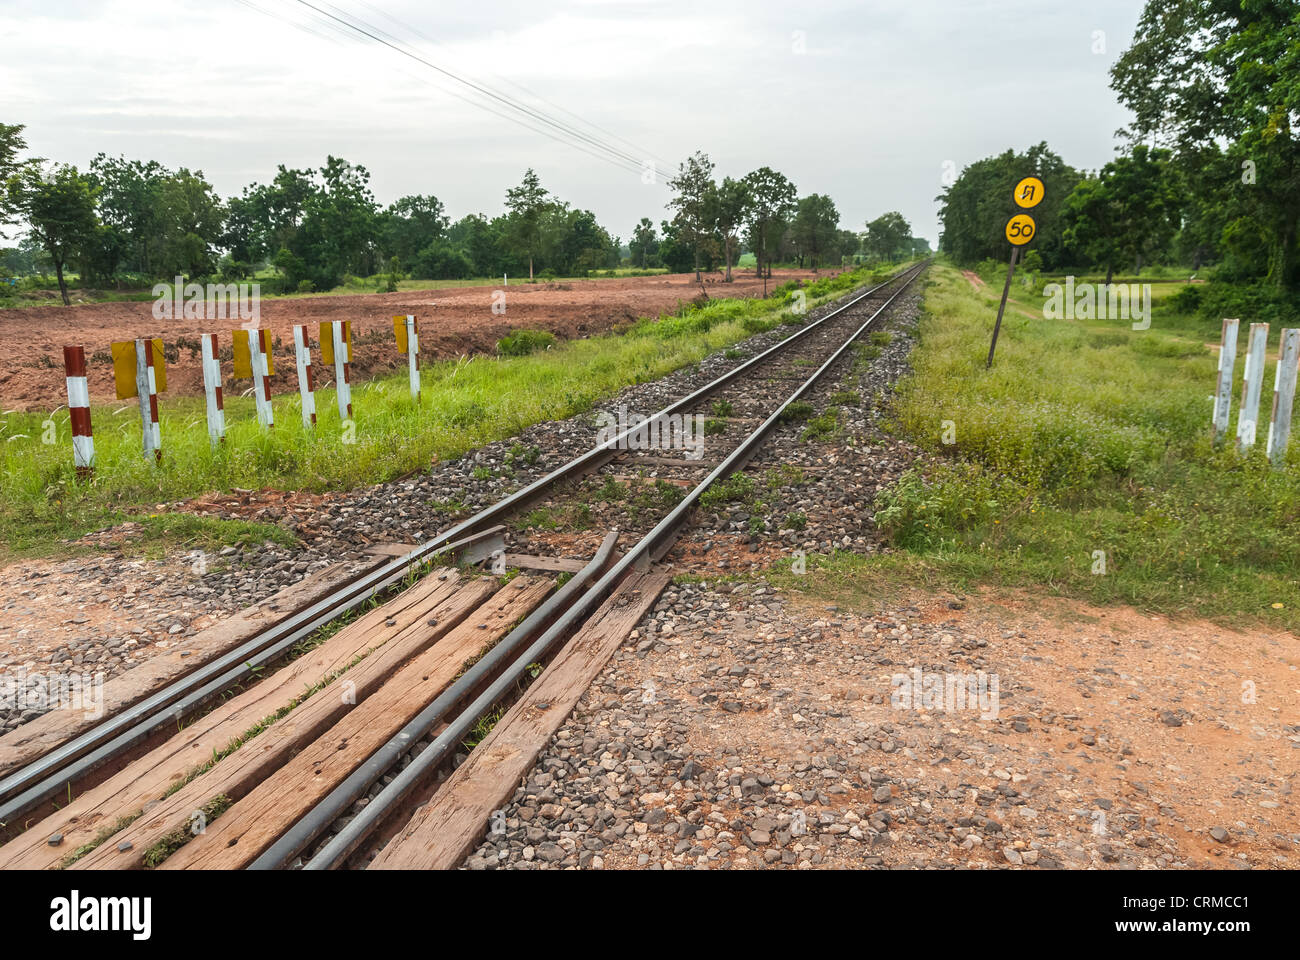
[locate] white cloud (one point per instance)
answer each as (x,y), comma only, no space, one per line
(881,97)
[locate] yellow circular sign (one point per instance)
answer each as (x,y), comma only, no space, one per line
(1028,192)
(1020,229)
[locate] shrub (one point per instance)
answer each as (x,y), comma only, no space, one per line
(918,511)
(520,343)
(796,412)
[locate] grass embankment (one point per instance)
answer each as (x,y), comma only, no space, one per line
(1088,441)
(465,404)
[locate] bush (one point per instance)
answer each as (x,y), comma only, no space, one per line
(520,343)
(1252,302)
(439,261)
(918,510)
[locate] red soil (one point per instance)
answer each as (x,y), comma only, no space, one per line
(454,321)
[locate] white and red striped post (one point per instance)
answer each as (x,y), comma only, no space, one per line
(306,378)
(83,442)
(413,355)
(259,351)
(146,387)
(212,388)
(342,369)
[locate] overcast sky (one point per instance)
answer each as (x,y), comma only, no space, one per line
(865,102)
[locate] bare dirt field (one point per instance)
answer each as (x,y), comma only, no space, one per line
(454,321)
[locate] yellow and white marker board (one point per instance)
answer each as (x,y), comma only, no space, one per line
(243,366)
(327,341)
(124,368)
(253,360)
(407,330)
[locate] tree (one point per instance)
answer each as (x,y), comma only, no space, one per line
(411,225)
(1089,229)
(888,237)
(60,207)
(129,205)
(677,256)
(848,244)
(1203,72)
(339,230)
(525,203)
(694,202)
(644,244)
(815,227)
(730,207)
(11,145)
(190,218)
(974,210)
(772,203)
(1129,211)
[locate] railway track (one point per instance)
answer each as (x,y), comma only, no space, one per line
(319,778)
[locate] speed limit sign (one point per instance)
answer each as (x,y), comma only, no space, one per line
(1020,229)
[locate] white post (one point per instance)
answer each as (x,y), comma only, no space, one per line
(1223,393)
(342,370)
(212,388)
(146,388)
(413,355)
(306,379)
(258,350)
(1279,430)
(1251,386)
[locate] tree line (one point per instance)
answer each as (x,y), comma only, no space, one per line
(761,212)
(1209,173)
(127,222)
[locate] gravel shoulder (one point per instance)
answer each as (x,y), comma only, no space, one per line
(743,728)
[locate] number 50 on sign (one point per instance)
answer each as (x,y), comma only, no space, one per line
(1020,229)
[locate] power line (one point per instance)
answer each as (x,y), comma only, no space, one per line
(612,154)
(331,24)
(519,86)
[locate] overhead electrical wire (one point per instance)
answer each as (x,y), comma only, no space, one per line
(557,129)
(333,23)
(647,154)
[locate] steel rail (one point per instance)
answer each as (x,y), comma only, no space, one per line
(657,541)
(144,717)
(45,776)
(361,779)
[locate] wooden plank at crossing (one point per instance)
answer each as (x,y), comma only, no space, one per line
(259,759)
(446,829)
(256,821)
(147,780)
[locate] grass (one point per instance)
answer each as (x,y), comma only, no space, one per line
(465,404)
(1082,463)
(738,486)
(823,428)
(520,343)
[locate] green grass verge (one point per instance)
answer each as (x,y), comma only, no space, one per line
(1082,463)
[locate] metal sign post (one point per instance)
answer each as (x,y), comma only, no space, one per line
(1020,229)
